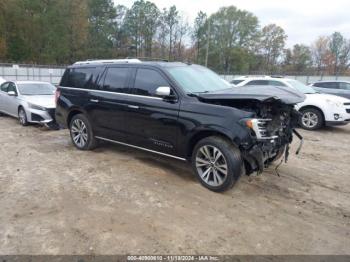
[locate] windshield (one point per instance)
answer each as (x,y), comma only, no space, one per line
(301,87)
(32,89)
(198,79)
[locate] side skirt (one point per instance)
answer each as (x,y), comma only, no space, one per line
(141,148)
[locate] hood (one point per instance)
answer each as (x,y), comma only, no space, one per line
(47,101)
(322,96)
(259,93)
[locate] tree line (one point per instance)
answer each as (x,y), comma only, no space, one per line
(229,41)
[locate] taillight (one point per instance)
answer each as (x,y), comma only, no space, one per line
(57,95)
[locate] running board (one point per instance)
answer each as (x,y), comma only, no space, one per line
(141,148)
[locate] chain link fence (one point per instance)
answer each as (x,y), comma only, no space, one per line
(18,72)
(53,74)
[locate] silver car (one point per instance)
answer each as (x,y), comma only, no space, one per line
(339,88)
(29,101)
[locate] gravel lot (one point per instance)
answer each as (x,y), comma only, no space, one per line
(55,199)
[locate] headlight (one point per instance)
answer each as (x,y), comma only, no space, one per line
(32,106)
(334,103)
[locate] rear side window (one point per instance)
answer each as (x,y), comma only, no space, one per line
(332,85)
(258,83)
(116,79)
(85,78)
(147,81)
(276,83)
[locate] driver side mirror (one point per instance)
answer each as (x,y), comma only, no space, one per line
(11,93)
(165,92)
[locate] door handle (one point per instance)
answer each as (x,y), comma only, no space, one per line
(133,107)
(94,100)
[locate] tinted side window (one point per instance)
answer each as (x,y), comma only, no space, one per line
(116,80)
(332,85)
(147,81)
(4,87)
(276,83)
(84,78)
(258,83)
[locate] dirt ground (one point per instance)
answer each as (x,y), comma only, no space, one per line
(55,199)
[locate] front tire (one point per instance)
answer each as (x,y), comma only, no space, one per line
(217,163)
(81,133)
(311,119)
(22,116)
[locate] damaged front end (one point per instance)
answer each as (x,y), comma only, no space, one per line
(271,131)
(271,123)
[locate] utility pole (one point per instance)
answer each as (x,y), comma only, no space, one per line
(208,40)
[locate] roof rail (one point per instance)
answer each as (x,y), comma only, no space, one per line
(108,61)
(149,59)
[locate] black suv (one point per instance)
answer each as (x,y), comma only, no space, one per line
(178,110)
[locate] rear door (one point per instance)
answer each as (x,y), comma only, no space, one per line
(152,122)
(108,103)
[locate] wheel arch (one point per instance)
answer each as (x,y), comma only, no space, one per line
(199,135)
(313,107)
(19,107)
(73,113)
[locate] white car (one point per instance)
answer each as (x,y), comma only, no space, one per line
(29,101)
(317,110)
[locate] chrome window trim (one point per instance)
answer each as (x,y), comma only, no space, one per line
(141,148)
(109,92)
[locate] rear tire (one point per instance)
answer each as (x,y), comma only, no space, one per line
(22,117)
(81,133)
(311,119)
(217,163)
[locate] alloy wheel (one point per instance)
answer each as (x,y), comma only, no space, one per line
(22,117)
(211,165)
(79,133)
(309,119)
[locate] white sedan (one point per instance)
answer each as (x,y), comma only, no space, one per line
(317,110)
(29,101)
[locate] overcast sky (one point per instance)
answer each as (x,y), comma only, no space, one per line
(303,20)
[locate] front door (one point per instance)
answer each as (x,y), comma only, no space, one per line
(12,101)
(151,121)
(3,96)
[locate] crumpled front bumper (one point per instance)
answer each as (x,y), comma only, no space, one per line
(259,159)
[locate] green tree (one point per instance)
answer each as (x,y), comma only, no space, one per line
(102,28)
(232,31)
(141,23)
(171,20)
(199,33)
(272,42)
(301,58)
